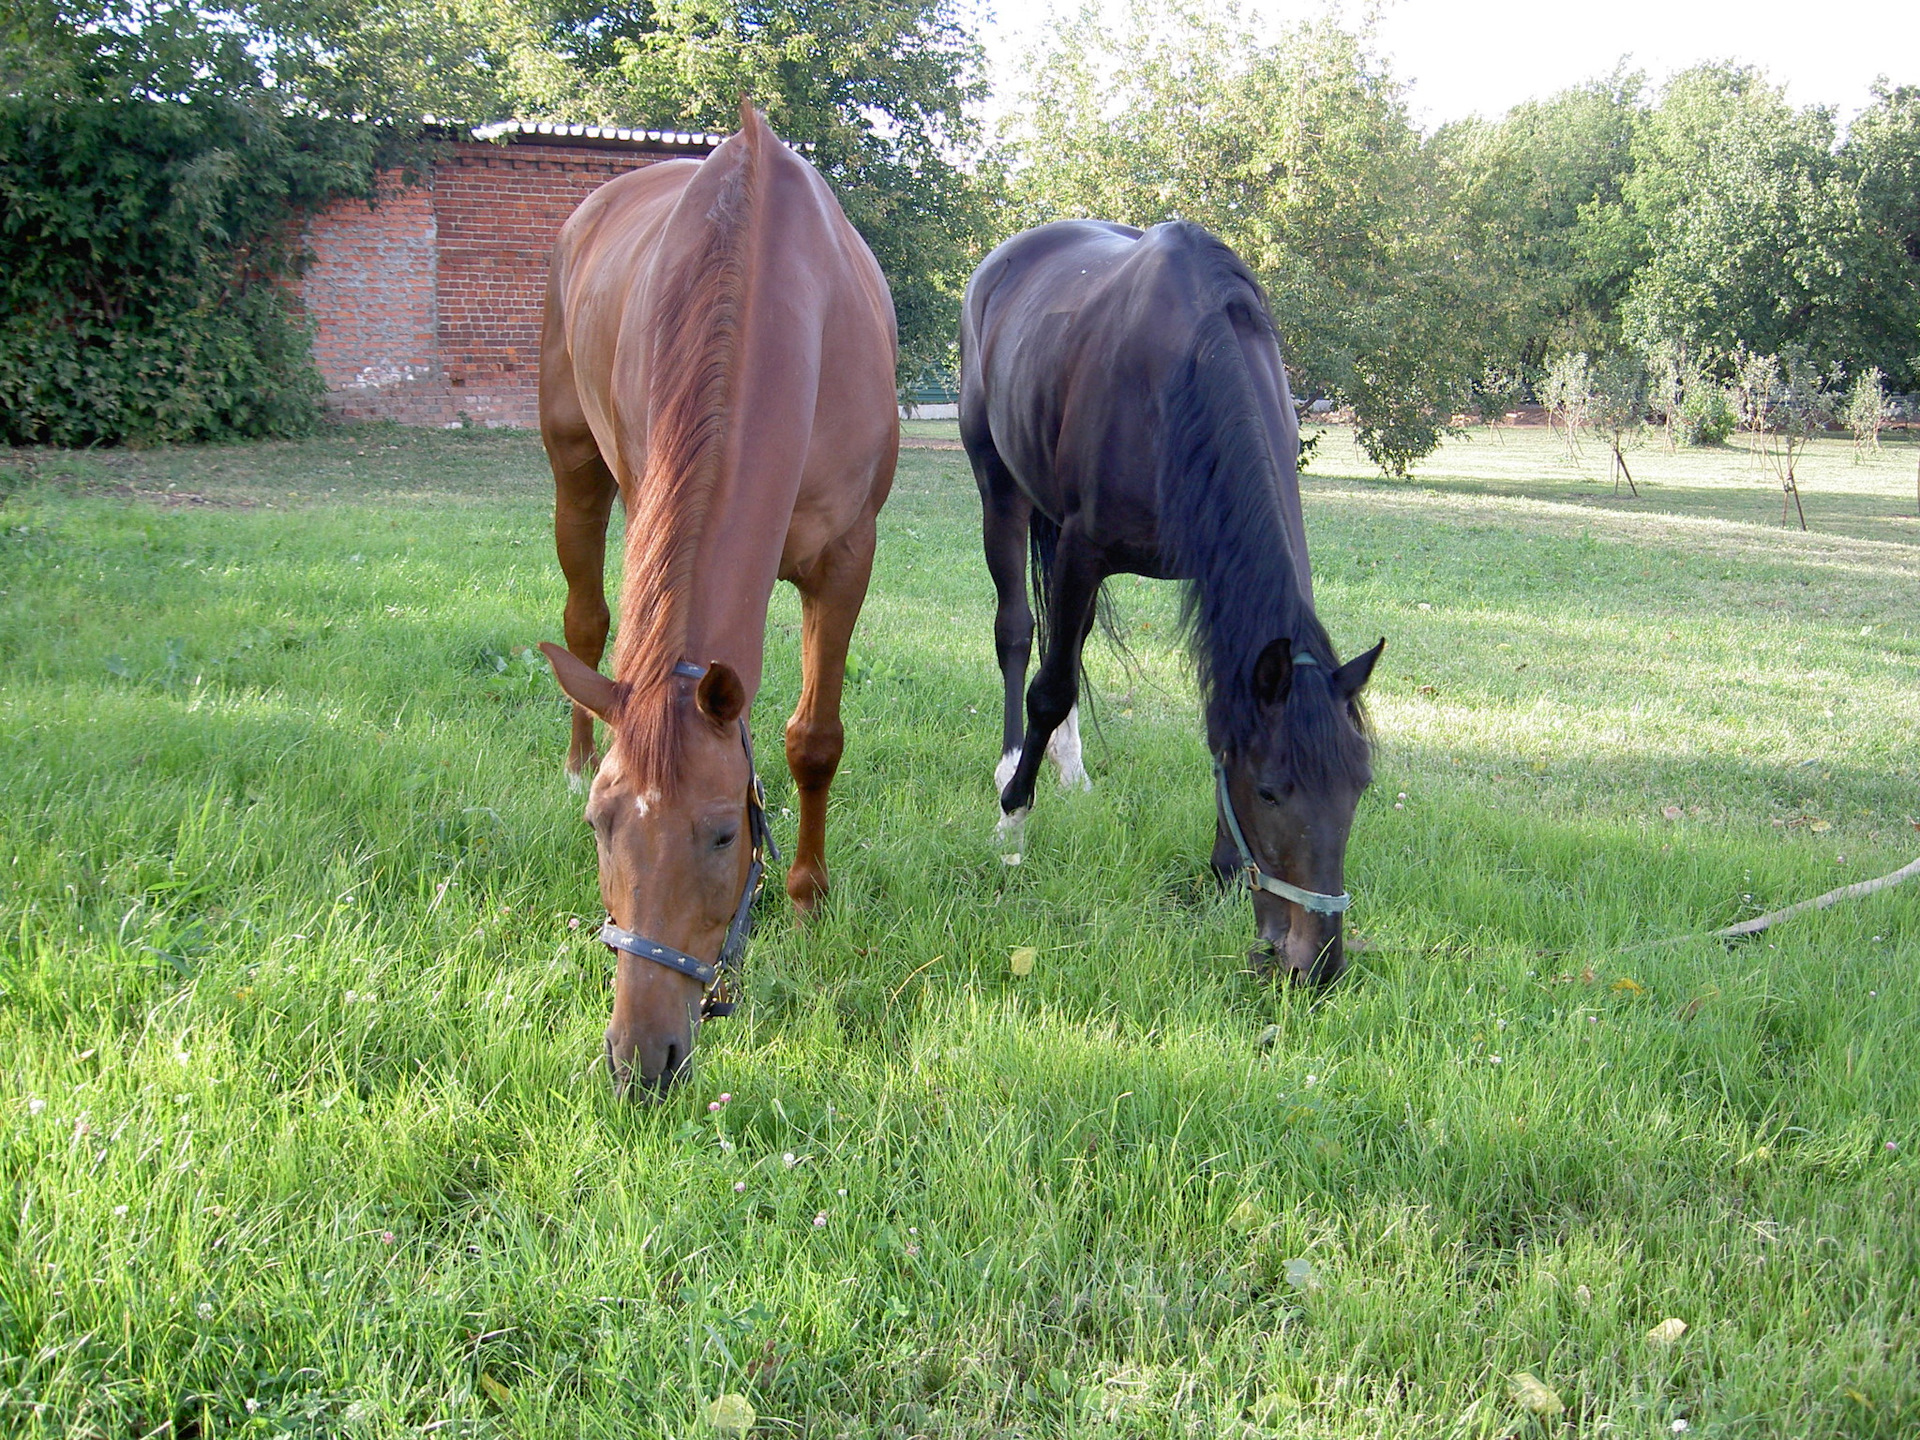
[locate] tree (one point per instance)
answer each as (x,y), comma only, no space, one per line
(1565,391)
(879,89)
(1866,410)
(1300,156)
(1537,196)
(1785,400)
(1616,406)
(1880,163)
(1761,231)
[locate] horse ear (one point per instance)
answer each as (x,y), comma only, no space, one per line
(585,686)
(720,695)
(1273,672)
(1351,677)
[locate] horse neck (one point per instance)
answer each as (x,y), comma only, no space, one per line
(708,518)
(1220,510)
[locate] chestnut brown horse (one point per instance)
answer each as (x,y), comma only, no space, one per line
(719,353)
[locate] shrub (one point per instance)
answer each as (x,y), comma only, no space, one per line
(151,175)
(1706,416)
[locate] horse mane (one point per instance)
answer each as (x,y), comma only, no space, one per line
(1220,521)
(691,370)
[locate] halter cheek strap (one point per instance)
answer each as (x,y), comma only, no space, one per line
(718,999)
(1257,878)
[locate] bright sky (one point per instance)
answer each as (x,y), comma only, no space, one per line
(1484,56)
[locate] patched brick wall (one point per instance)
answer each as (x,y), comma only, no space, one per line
(370,290)
(427,306)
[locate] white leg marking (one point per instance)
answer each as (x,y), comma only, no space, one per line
(576,782)
(1064,750)
(1011,833)
(1003,772)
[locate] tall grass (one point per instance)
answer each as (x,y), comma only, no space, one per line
(303,1134)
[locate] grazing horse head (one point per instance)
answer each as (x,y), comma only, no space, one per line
(676,859)
(1287,793)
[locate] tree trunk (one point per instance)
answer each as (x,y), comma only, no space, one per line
(1621,461)
(1793,489)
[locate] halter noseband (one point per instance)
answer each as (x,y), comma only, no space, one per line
(1258,879)
(712,976)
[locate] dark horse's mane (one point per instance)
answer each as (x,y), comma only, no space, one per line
(691,374)
(1220,525)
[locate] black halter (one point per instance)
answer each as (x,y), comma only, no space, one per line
(712,976)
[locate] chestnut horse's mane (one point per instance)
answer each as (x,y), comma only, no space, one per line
(691,370)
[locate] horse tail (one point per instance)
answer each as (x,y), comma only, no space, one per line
(1043,542)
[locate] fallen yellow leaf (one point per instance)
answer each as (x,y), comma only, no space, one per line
(1534,1396)
(496,1392)
(1627,986)
(1246,1216)
(1666,1332)
(1820,827)
(730,1414)
(1020,962)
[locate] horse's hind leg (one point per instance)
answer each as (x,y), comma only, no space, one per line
(830,596)
(1005,516)
(583,491)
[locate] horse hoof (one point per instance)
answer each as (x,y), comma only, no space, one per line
(1011,832)
(807,890)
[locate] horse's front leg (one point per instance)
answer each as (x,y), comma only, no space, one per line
(830,597)
(583,492)
(1078,570)
(1006,514)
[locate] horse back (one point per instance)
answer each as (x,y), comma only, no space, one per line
(792,305)
(1081,341)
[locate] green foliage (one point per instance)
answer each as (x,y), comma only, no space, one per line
(1299,155)
(1537,195)
(1866,409)
(1565,391)
(1762,230)
(1496,392)
(879,89)
(150,172)
(1617,394)
(1706,415)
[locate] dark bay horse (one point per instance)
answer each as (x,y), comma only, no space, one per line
(1124,404)
(718,353)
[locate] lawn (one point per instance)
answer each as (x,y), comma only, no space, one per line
(304,1131)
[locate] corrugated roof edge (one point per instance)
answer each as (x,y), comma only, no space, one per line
(558,132)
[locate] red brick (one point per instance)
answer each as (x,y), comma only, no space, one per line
(428,305)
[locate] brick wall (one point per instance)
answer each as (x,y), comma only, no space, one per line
(427,306)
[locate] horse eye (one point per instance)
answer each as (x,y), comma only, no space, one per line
(1268,796)
(721,842)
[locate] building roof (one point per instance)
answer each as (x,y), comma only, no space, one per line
(611,137)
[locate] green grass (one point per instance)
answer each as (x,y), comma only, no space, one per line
(304,1133)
